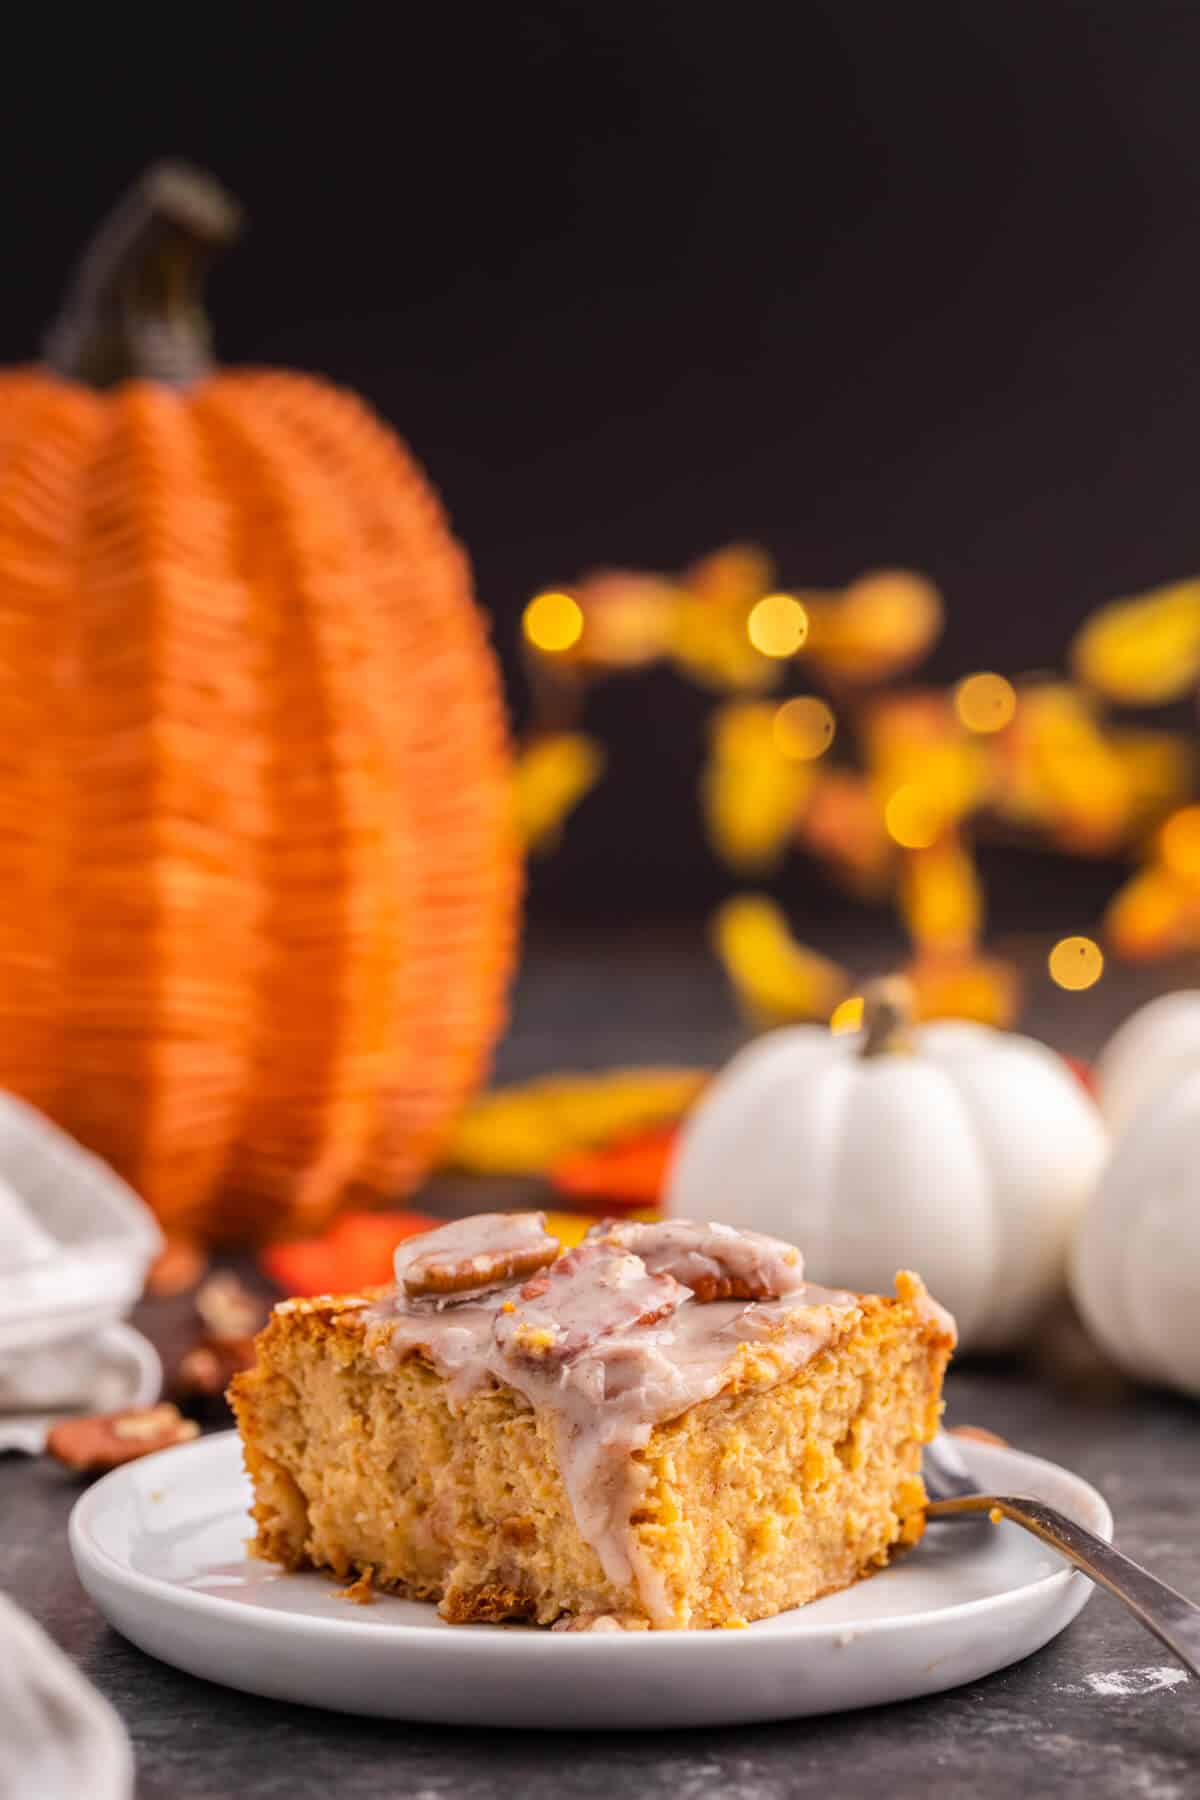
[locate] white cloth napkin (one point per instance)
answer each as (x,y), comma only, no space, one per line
(59,1740)
(75,1244)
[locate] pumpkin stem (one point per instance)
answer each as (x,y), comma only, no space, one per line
(887,1016)
(133,310)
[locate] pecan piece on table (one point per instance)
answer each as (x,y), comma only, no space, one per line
(483,1252)
(207,1369)
(229,1312)
(104,1441)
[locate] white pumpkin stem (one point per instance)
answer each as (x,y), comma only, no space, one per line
(888,1006)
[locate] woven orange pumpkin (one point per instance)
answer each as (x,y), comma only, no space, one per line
(257,890)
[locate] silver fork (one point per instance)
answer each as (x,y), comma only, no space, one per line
(1172,1618)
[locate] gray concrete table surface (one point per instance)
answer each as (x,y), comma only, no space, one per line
(1099,1713)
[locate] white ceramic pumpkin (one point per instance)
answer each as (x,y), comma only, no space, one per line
(1153,1048)
(1135,1265)
(959,1151)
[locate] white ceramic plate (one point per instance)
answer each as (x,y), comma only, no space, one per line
(160,1546)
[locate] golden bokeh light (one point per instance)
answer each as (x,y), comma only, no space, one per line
(1076,963)
(1179,843)
(985,702)
(777,625)
(553,622)
(847,1015)
(803,728)
(914,817)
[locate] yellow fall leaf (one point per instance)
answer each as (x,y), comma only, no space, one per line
(751,792)
(917,741)
(1143,651)
(571,1228)
(523,1129)
(710,638)
(941,898)
(551,777)
(775,977)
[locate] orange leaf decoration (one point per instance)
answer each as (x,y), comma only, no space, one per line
(1083,1073)
(1060,772)
(1156,913)
(355,1253)
(843,823)
(631,1172)
(983,988)
(628,619)
(880,624)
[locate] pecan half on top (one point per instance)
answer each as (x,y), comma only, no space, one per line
(482,1252)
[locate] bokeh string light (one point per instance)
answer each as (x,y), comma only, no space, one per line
(985,703)
(553,622)
(804,728)
(914,817)
(1076,963)
(777,625)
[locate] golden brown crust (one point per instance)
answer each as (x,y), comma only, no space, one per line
(492,1603)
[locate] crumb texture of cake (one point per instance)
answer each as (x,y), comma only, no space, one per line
(666,1426)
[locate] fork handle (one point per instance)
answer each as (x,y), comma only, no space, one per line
(1172,1618)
